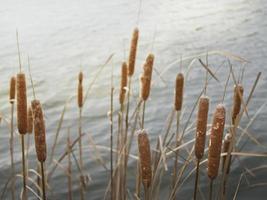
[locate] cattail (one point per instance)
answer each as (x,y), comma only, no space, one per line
(21,104)
(39,130)
(123,82)
(179,88)
(226,146)
(80,90)
(146,77)
(30,121)
(202,117)
(238,94)
(133,49)
(215,143)
(145,158)
(12,89)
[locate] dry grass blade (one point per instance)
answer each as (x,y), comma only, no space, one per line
(208,69)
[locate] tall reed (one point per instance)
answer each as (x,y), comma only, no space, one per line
(12,96)
(40,139)
(178,102)
(215,144)
(145,160)
(201,128)
(226,148)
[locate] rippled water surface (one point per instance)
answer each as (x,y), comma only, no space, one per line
(62,37)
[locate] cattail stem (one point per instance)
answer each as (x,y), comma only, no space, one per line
(177,143)
(80,140)
(12,151)
(111,142)
(210,189)
(143,116)
(196,180)
(69,168)
(43,180)
(24,196)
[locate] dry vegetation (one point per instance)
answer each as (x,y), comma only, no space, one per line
(172,156)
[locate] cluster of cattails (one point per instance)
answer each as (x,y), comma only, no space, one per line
(146,77)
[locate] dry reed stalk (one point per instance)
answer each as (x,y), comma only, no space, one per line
(215,143)
(29,121)
(22,122)
(226,146)
(133,50)
(12,93)
(201,128)
(238,94)
(145,159)
(179,88)
(39,137)
(69,168)
(123,82)
(12,89)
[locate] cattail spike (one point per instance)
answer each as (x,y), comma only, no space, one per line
(145,157)
(133,50)
(123,82)
(238,94)
(12,90)
(80,90)
(202,117)
(21,103)
(215,142)
(179,88)
(39,130)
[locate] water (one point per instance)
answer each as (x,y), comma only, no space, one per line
(61,36)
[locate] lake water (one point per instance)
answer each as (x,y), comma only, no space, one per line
(62,37)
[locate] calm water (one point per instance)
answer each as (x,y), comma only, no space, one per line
(62,37)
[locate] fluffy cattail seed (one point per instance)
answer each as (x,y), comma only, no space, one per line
(215,142)
(238,94)
(12,89)
(179,88)
(146,77)
(123,82)
(39,130)
(30,120)
(145,158)
(133,49)
(80,90)
(202,117)
(21,104)
(226,146)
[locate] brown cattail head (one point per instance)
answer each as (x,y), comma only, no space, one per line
(123,82)
(12,89)
(179,90)
(146,77)
(39,130)
(202,117)
(215,142)
(145,157)
(226,146)
(238,95)
(80,90)
(21,103)
(133,49)
(30,121)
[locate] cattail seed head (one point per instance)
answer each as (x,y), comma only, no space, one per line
(202,117)
(80,90)
(123,82)
(145,158)
(215,142)
(179,90)
(21,104)
(133,49)
(238,95)
(12,89)
(146,77)
(226,146)
(30,121)
(39,130)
